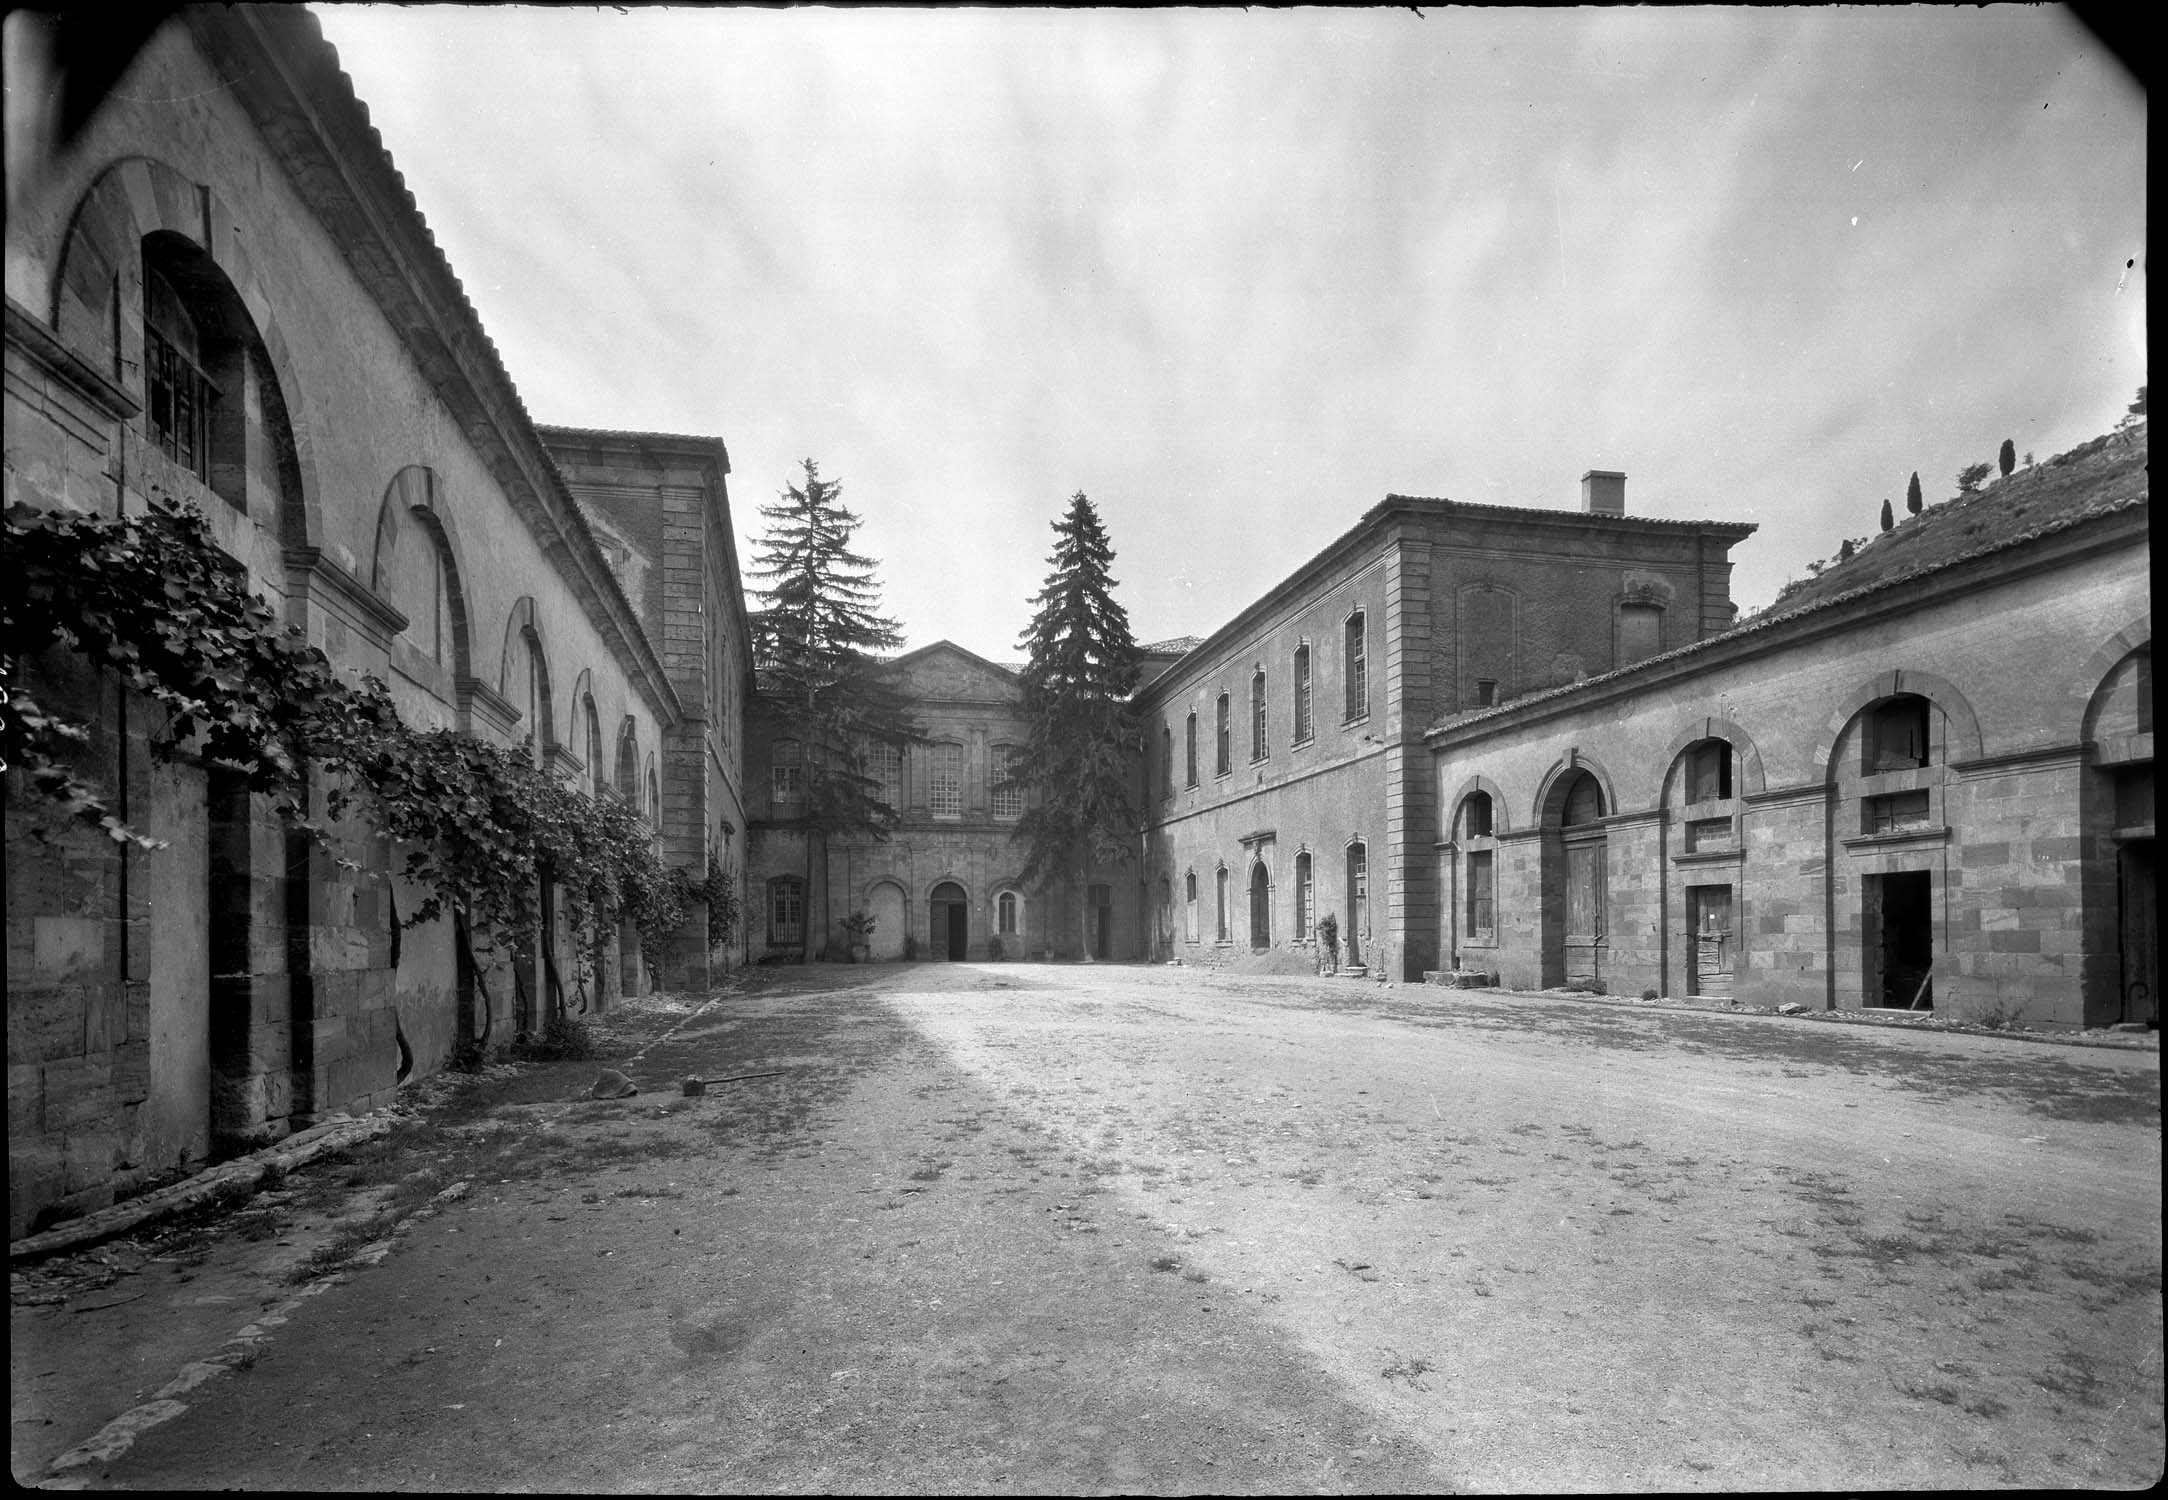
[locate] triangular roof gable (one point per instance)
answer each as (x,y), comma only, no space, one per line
(946,670)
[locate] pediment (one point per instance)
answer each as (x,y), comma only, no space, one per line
(945,670)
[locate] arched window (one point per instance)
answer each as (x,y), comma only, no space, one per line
(945,793)
(1302,693)
(1305,898)
(525,681)
(786,911)
(1223,755)
(786,773)
(1475,816)
(412,568)
(1257,715)
(1219,907)
(597,773)
(1008,782)
(1358,668)
(1189,906)
(1896,735)
(1189,751)
(179,395)
(1584,802)
(628,762)
(654,799)
(1008,913)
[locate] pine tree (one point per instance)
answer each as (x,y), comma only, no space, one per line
(1970,477)
(1888,520)
(2007,458)
(1912,494)
(1084,739)
(815,643)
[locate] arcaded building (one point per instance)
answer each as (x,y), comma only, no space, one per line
(1288,776)
(1921,781)
(222,292)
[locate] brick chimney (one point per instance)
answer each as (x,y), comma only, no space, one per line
(1603,492)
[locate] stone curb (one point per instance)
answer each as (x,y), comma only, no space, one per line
(301,1147)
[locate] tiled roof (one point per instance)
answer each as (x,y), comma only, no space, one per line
(553,431)
(1180,645)
(1739,529)
(2091,481)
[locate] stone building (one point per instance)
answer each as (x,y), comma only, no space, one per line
(1288,777)
(1921,780)
(222,291)
(947,882)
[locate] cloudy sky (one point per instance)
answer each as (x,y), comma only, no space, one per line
(1239,275)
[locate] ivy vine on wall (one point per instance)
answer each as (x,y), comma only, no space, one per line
(154,600)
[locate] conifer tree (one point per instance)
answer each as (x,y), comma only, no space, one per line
(2007,458)
(1912,494)
(1083,739)
(816,645)
(1888,520)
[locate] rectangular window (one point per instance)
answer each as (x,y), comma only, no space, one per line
(945,797)
(885,765)
(1708,833)
(1486,693)
(179,403)
(1302,694)
(1305,899)
(1640,632)
(1482,897)
(786,912)
(1898,811)
(1220,888)
(1257,717)
(1223,755)
(1008,782)
(1189,750)
(1189,903)
(1358,669)
(786,769)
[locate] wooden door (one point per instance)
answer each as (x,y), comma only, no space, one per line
(1712,946)
(1585,911)
(2140,935)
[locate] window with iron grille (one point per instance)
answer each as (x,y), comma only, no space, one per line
(786,910)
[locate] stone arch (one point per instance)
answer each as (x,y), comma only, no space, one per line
(99,279)
(1550,792)
(413,497)
(625,773)
(520,628)
(1963,731)
(2088,688)
(1501,814)
(1746,770)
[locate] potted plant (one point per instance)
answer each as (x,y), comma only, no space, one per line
(1328,941)
(860,924)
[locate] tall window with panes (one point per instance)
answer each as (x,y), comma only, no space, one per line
(945,792)
(179,395)
(1257,714)
(1223,740)
(1189,751)
(1302,694)
(884,763)
(1008,782)
(1358,668)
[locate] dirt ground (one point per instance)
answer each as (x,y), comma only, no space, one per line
(1049,1229)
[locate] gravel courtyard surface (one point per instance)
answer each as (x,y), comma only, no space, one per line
(1004,1227)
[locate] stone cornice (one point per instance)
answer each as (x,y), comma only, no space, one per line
(311,568)
(30,335)
(286,76)
(478,700)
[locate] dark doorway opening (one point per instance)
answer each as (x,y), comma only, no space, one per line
(1900,937)
(1260,908)
(1099,900)
(948,927)
(2138,899)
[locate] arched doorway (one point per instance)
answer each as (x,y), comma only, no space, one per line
(1576,941)
(885,903)
(1354,941)
(948,926)
(1260,907)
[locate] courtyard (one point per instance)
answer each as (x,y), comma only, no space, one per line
(1004,1227)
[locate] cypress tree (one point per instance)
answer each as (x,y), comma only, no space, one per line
(1912,494)
(2007,458)
(1083,738)
(815,648)
(1888,520)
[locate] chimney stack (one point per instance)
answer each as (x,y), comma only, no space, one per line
(1603,492)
